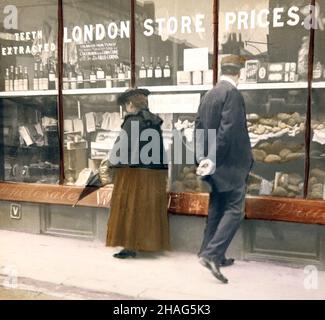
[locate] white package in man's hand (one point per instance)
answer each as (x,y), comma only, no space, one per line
(206,168)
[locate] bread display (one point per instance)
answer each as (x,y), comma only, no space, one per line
(316,184)
(278,152)
(288,185)
(188,181)
(281,123)
(284,185)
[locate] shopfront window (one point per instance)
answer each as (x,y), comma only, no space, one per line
(174,42)
(30,146)
(317,148)
(174,58)
(97,67)
(96,44)
(271,36)
(28,45)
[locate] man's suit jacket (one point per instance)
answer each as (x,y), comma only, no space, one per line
(223,109)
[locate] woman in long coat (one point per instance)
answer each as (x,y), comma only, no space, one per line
(138,216)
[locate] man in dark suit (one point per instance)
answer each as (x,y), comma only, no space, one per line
(224,162)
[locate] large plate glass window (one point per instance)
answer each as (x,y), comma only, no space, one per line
(97,67)
(174,52)
(174,42)
(272,37)
(28,73)
(317,148)
(96,44)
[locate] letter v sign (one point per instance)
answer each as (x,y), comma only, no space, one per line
(15,211)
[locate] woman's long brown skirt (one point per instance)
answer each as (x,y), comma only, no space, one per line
(138,215)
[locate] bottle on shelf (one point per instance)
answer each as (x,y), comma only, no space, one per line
(142,72)
(16,80)
(115,76)
(65,77)
(317,71)
(150,72)
(21,78)
(108,76)
(92,79)
(121,76)
(100,77)
(56,77)
(80,78)
(72,78)
(86,75)
(36,77)
(41,77)
(7,80)
(158,73)
(25,80)
(127,76)
(167,74)
(11,78)
(52,77)
(45,77)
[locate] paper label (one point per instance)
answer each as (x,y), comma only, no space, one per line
(266,188)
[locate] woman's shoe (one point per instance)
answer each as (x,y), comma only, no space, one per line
(124,254)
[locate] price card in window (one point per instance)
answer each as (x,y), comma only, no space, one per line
(196,59)
(266,188)
(174,103)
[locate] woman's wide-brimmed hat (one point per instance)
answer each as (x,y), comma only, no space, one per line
(125,96)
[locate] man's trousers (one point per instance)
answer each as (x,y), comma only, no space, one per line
(226,211)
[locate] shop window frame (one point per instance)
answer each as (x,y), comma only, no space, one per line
(282,209)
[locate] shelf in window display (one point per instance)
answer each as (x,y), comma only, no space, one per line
(94,91)
(273,85)
(31,93)
(317,85)
(178,88)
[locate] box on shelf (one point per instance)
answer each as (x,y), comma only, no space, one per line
(72,145)
(99,150)
(277,72)
(184,78)
(251,67)
(262,72)
(208,77)
(197,77)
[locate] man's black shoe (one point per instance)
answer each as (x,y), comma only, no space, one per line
(227,262)
(214,268)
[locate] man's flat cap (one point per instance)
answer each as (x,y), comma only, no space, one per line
(233,61)
(125,96)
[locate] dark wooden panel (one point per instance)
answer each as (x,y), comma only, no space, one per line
(187,203)
(283,209)
(55,194)
(263,208)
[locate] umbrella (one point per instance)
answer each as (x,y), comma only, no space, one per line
(92,185)
(93,180)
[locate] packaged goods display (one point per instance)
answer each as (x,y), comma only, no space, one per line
(30,145)
(259,72)
(276,126)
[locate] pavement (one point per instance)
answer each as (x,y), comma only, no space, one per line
(40,266)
